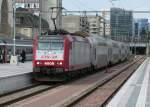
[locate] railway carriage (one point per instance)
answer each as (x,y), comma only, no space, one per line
(99,51)
(6,49)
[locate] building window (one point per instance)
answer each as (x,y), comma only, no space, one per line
(17,20)
(94,25)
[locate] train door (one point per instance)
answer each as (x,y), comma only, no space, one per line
(109,55)
(120,53)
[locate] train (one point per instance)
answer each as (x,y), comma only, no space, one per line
(6,49)
(58,57)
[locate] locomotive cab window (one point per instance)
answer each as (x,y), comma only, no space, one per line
(51,44)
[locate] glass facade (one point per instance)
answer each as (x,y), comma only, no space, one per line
(141,26)
(121,22)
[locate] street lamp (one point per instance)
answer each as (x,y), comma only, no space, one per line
(14,27)
(14,58)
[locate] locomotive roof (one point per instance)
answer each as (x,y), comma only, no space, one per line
(70,37)
(95,39)
(47,37)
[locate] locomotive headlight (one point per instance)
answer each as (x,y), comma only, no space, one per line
(60,63)
(37,63)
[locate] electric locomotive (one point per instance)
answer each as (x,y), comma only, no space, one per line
(59,56)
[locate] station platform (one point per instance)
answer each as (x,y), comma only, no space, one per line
(136,91)
(7,70)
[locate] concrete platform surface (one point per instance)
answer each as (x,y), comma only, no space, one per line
(7,70)
(136,91)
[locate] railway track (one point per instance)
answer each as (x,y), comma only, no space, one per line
(103,93)
(74,92)
(28,94)
(21,89)
(22,94)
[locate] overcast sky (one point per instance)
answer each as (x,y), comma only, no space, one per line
(81,5)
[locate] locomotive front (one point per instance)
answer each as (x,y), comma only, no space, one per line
(48,57)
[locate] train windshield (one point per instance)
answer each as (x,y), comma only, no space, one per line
(51,45)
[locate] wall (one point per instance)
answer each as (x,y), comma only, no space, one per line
(6,6)
(71,23)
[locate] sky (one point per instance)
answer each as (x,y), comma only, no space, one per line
(91,5)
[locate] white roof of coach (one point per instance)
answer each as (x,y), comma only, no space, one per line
(95,40)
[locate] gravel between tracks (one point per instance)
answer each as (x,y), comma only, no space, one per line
(100,95)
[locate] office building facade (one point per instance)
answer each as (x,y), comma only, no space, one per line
(121,22)
(141,26)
